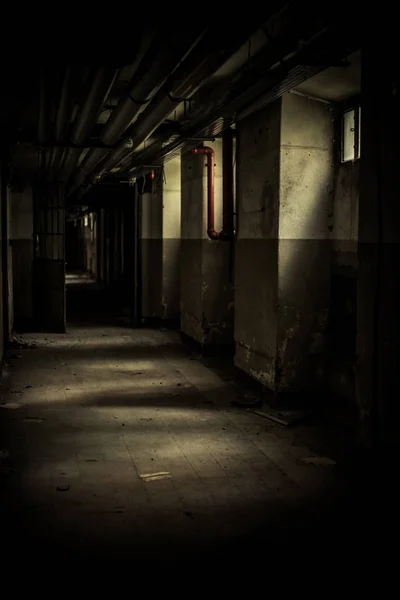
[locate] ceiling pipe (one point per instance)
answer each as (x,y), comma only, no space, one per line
(41,118)
(100,85)
(162,58)
(209,55)
(63,114)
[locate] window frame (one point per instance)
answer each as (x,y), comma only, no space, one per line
(352,105)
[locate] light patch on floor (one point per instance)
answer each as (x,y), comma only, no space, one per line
(124,435)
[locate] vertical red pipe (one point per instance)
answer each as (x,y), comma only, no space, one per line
(209,152)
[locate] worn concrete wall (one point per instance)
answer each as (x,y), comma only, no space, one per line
(206,276)
(49,263)
(343,303)
(304,256)
(171,239)
(378,286)
(9,263)
(2,283)
(256,253)
(22,245)
(283,251)
(345,214)
(151,252)
(88,228)
(101,245)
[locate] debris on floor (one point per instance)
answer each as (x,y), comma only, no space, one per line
(156,476)
(10,405)
(246,401)
(282,417)
(319,461)
(33,419)
(18,343)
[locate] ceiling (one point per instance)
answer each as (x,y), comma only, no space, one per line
(176,85)
(335,84)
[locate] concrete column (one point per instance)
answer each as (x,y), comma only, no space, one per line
(101,248)
(49,262)
(304,253)
(22,243)
(151,252)
(378,294)
(160,245)
(171,240)
(256,264)
(206,276)
(343,304)
(284,192)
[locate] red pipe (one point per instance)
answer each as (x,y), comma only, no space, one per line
(209,152)
(227,232)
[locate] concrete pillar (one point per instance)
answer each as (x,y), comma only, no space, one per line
(284,193)
(101,245)
(304,252)
(7,258)
(343,304)
(22,244)
(206,267)
(378,327)
(49,262)
(171,240)
(160,245)
(256,264)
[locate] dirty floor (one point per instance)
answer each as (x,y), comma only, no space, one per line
(119,443)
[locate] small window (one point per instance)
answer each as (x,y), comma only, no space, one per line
(351,129)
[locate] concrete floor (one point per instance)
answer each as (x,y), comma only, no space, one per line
(120,443)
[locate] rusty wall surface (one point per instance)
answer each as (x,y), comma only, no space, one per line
(206,269)
(304,256)
(256,253)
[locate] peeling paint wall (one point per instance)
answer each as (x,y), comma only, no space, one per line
(151,252)
(256,253)
(161,244)
(206,266)
(283,253)
(171,244)
(304,256)
(343,303)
